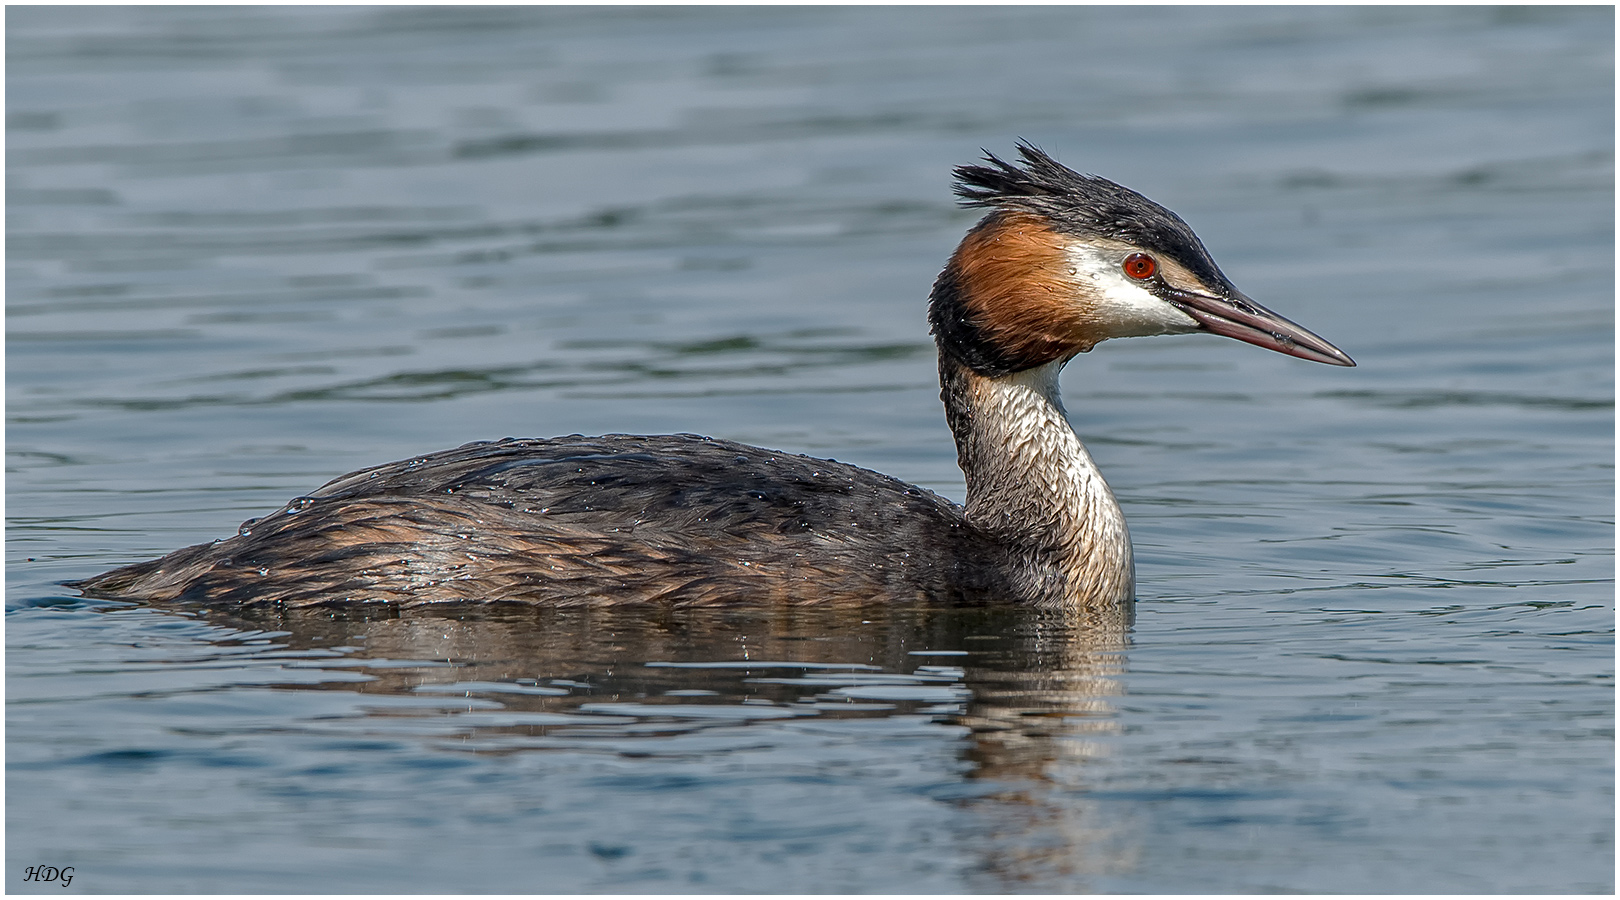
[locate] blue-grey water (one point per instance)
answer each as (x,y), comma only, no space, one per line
(250,249)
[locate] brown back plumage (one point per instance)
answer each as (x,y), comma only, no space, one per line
(675,519)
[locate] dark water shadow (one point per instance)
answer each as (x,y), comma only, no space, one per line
(1027,696)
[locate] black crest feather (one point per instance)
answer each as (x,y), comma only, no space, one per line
(1084,205)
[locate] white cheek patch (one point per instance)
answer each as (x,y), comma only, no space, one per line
(1120,305)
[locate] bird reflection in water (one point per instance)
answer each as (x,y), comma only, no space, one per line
(1029,694)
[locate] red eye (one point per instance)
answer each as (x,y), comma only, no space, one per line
(1140,266)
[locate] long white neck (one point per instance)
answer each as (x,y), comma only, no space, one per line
(1032,485)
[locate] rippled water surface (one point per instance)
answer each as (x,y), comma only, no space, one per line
(251,249)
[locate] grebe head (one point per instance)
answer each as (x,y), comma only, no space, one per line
(1065,261)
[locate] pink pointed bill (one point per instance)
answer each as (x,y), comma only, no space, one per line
(1248,321)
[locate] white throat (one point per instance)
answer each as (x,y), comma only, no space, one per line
(1033,483)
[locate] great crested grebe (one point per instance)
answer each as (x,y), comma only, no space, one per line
(1062,262)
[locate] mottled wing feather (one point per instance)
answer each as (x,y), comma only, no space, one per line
(675,519)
